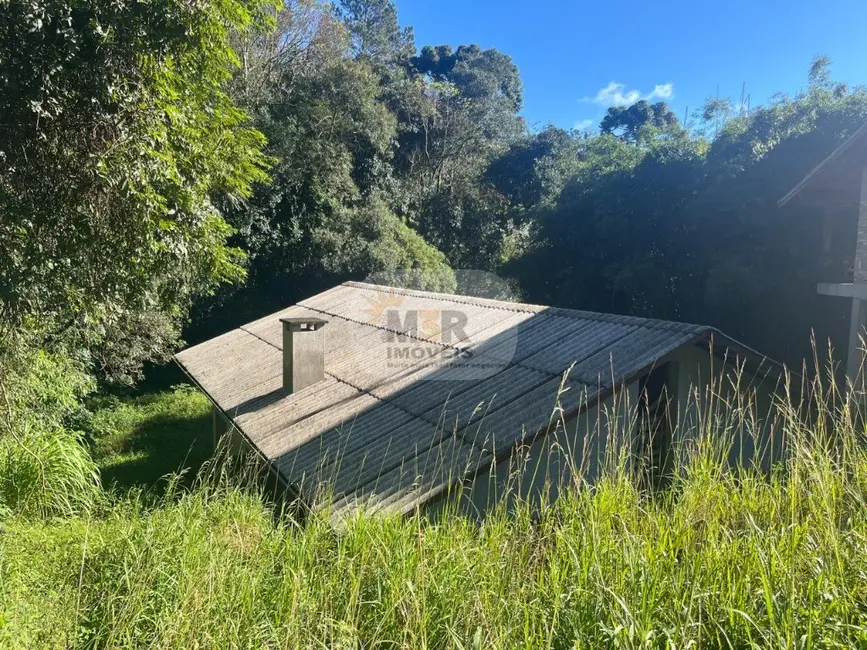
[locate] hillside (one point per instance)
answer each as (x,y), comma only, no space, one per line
(722,558)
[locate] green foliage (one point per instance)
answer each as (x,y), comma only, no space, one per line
(116,134)
(641,119)
(374,30)
(457,110)
(604,209)
(534,170)
(380,158)
(481,76)
(664,222)
(46,472)
(133,182)
(377,241)
(332,211)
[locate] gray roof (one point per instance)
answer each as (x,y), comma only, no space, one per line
(398,420)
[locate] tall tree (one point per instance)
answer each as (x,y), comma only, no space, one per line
(327,215)
(115,135)
(375,33)
(458,110)
(627,122)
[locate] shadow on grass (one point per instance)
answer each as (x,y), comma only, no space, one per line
(154,435)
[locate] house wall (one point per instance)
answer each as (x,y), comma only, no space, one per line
(225,433)
(237,444)
(732,402)
(536,472)
(703,392)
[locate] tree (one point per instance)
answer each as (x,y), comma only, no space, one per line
(374,30)
(115,135)
(627,123)
(687,228)
(616,238)
(456,112)
(328,215)
(534,169)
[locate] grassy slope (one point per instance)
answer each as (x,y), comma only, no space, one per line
(139,440)
(722,559)
(749,563)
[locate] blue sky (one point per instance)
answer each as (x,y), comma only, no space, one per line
(576,58)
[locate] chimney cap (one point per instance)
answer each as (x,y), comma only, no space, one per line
(304,323)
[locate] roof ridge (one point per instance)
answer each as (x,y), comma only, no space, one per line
(456,298)
(515,306)
(836,153)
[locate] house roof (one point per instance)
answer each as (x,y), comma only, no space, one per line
(833,172)
(399,419)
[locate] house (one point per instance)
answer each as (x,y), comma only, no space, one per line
(388,398)
(836,190)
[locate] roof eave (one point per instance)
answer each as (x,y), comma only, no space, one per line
(269,464)
(861,132)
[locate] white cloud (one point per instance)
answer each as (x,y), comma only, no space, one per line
(580,125)
(661,91)
(616,94)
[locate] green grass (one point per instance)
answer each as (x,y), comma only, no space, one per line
(723,561)
(140,440)
(725,557)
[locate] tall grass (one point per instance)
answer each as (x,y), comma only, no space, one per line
(139,440)
(45,469)
(46,472)
(726,556)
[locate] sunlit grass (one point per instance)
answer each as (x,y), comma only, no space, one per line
(137,441)
(724,557)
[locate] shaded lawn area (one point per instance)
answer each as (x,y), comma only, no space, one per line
(138,440)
